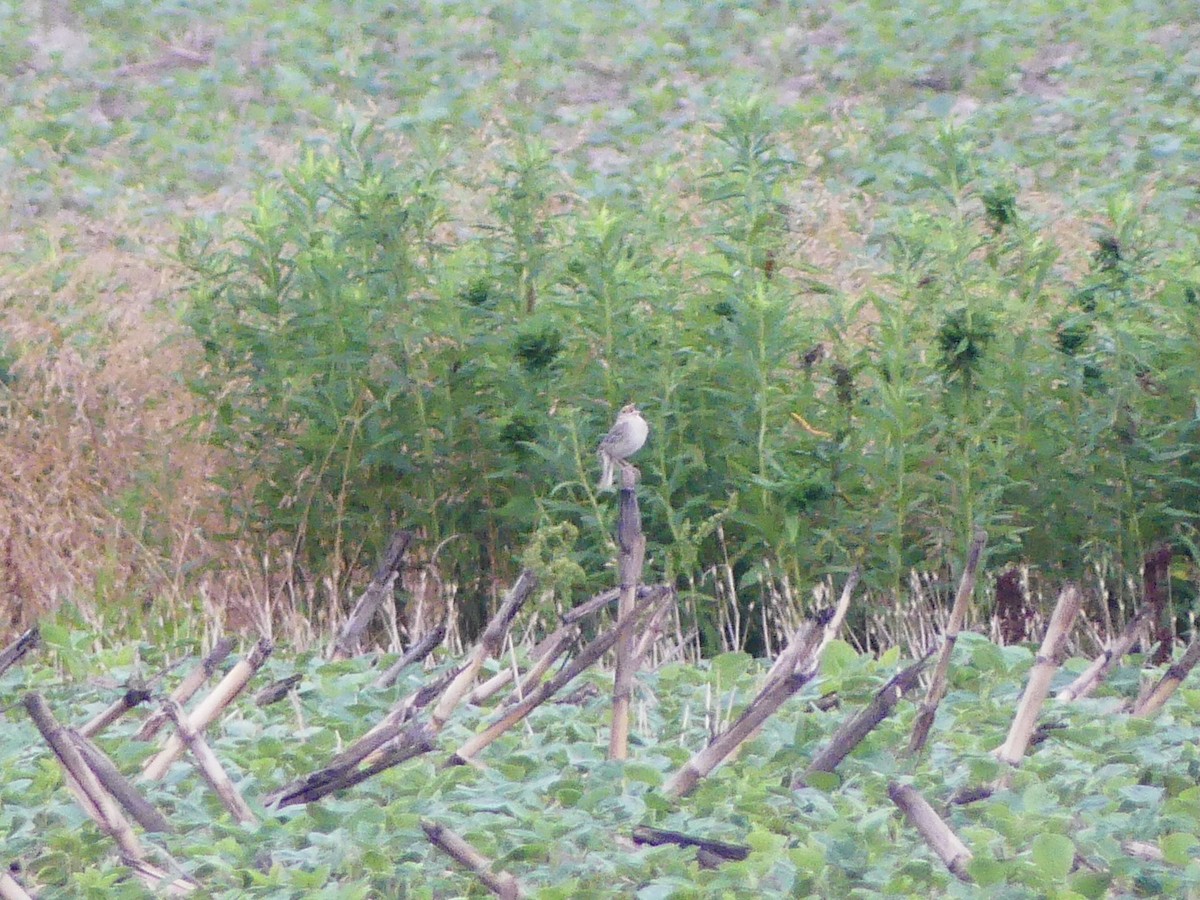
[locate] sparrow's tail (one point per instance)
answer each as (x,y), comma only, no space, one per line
(606,472)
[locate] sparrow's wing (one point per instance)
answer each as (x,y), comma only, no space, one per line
(619,434)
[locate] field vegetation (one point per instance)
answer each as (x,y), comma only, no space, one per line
(279,280)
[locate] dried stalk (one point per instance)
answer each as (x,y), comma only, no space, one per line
(632,544)
(491,643)
(719,850)
(1169,683)
(958,615)
(349,640)
(187,688)
(857,728)
(99,804)
(1048,660)
(1091,677)
(937,834)
(131,698)
(277,690)
(413,654)
(118,785)
(802,648)
(501,884)
(488,689)
(558,644)
(208,764)
(221,696)
(10,888)
(18,649)
(586,657)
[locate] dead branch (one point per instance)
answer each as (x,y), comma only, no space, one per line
(1048,660)
(98,803)
(586,657)
(937,834)
(549,644)
(398,744)
(501,884)
(958,615)
(220,697)
(10,888)
(187,688)
(656,837)
(19,649)
(802,648)
(1169,683)
(277,690)
(491,643)
(349,640)
(158,879)
(208,764)
(632,544)
(559,643)
(131,698)
(413,654)
(111,779)
(1091,677)
(857,728)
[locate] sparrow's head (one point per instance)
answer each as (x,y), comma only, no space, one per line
(629,409)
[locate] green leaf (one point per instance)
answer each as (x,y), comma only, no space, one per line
(1053,855)
(1177,847)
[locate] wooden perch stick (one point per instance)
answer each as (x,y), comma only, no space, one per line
(632,556)
(501,884)
(1091,677)
(387,730)
(277,690)
(118,785)
(413,654)
(486,690)
(937,834)
(208,764)
(99,804)
(491,643)
(558,644)
(585,658)
(852,733)
(802,648)
(1169,683)
(348,641)
(711,850)
(797,656)
(221,696)
(958,615)
(131,698)
(1048,660)
(10,888)
(18,649)
(187,688)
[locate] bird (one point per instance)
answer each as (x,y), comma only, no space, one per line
(624,439)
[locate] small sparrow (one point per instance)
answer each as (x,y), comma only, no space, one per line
(624,439)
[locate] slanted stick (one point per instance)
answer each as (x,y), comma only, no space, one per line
(99,805)
(491,643)
(502,884)
(548,644)
(202,716)
(347,642)
(1048,659)
(1091,677)
(118,785)
(539,695)
(1169,683)
(937,834)
(852,733)
(562,641)
(770,698)
(958,615)
(413,654)
(656,837)
(131,698)
(17,650)
(208,764)
(10,888)
(186,689)
(632,544)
